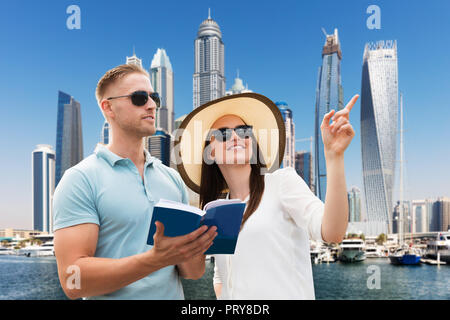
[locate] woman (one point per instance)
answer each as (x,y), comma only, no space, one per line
(244,136)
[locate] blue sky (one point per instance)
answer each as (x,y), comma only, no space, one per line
(275,45)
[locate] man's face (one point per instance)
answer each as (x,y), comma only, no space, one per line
(131,119)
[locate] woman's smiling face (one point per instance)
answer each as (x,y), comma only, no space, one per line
(235,150)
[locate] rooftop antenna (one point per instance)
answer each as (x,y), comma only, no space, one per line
(133,51)
(209,13)
(237,73)
(324,32)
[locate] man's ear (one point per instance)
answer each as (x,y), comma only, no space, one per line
(106,107)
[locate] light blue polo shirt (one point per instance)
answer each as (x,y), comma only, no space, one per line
(108,190)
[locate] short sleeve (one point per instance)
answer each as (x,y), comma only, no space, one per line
(216,278)
(73,201)
(183,189)
(300,203)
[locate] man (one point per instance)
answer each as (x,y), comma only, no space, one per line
(103,207)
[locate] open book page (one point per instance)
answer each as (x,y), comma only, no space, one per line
(164,203)
(220,202)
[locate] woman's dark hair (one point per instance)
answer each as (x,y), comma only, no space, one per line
(213,185)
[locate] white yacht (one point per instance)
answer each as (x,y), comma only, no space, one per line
(318,251)
(46,250)
(6,251)
(439,247)
(373,251)
(352,250)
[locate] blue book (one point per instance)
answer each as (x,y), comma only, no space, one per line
(180,219)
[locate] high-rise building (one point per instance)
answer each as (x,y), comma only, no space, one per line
(379,109)
(303,166)
(209,70)
(354,205)
(43,187)
(105,138)
(69,137)
(161,78)
(329,95)
(419,216)
(159,146)
(441,214)
(134,60)
(429,204)
(238,87)
(397,225)
(289,151)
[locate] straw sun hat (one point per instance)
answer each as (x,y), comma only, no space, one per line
(254,109)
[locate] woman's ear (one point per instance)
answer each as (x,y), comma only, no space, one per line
(208,154)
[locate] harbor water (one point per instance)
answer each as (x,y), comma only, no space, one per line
(37,278)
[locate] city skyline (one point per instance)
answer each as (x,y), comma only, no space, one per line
(421,77)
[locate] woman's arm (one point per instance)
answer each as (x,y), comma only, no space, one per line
(335,217)
(192,269)
(336,138)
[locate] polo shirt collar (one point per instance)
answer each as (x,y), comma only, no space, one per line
(103,152)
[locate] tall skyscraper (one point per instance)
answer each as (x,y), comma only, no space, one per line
(161,77)
(379,109)
(159,146)
(69,137)
(441,214)
(397,225)
(134,60)
(105,133)
(354,205)
(289,151)
(419,216)
(303,166)
(209,70)
(329,95)
(43,187)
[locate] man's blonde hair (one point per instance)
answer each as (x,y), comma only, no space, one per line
(111,76)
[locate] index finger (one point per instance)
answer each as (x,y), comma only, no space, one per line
(352,102)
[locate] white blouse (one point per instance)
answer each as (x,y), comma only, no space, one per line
(272,257)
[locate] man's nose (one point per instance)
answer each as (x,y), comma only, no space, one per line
(150,104)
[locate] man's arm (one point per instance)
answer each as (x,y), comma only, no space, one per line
(75,246)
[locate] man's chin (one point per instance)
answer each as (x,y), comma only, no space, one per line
(149,132)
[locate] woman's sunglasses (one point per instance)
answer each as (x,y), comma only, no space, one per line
(140,98)
(224,134)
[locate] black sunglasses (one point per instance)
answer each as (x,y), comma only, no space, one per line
(224,134)
(140,98)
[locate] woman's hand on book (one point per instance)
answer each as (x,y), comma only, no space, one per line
(175,250)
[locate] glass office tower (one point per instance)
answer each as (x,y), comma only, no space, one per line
(289,151)
(69,137)
(161,78)
(328,96)
(43,187)
(379,110)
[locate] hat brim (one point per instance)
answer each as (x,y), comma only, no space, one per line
(254,109)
